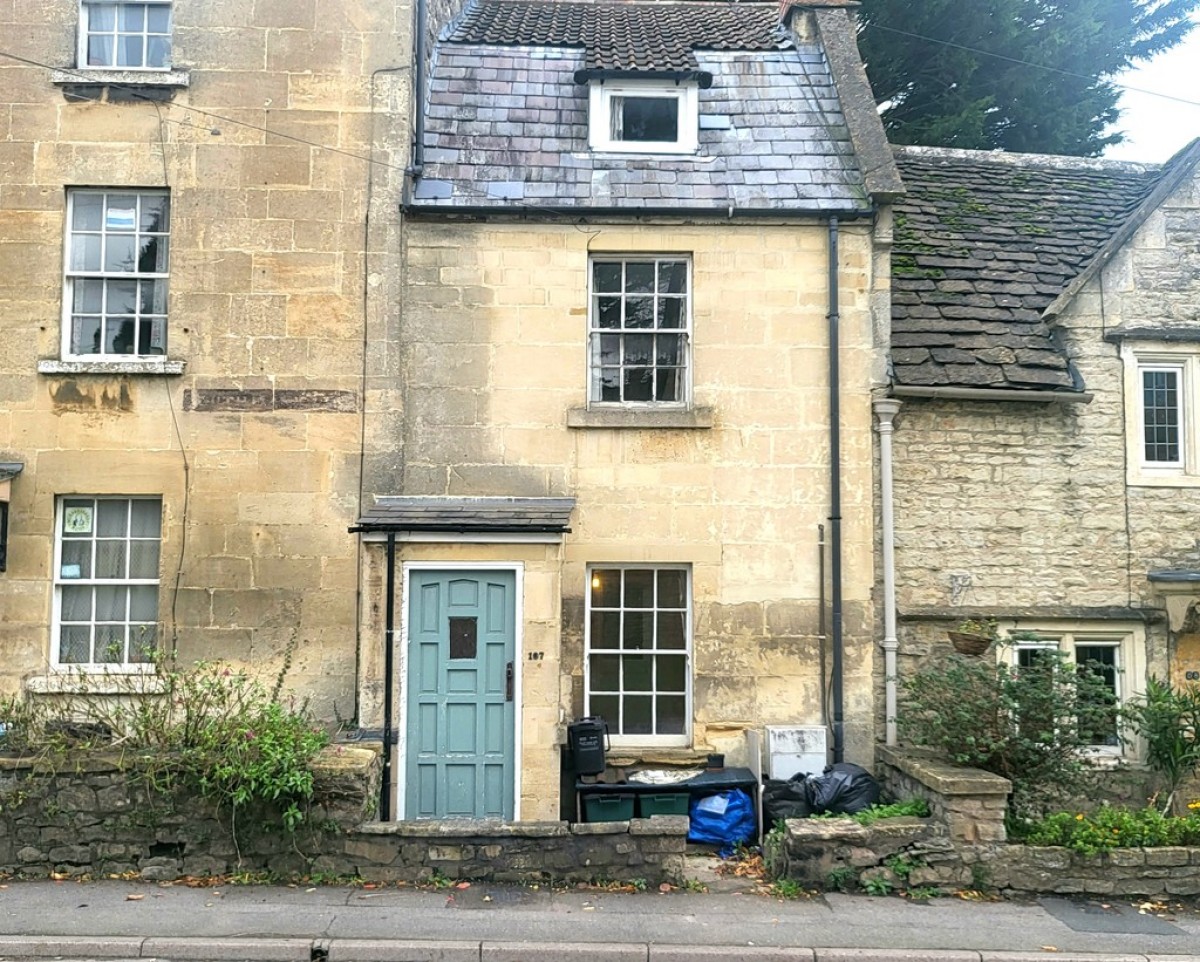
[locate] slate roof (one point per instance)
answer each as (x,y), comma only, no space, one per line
(657,37)
(507,125)
(984,243)
(411,513)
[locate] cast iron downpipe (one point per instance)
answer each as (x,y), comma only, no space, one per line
(385,800)
(835,500)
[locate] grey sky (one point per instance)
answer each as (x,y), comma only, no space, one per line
(1155,127)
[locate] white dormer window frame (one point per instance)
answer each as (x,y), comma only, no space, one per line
(608,112)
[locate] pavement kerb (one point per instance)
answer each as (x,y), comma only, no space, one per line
(216,950)
(68,946)
(399,950)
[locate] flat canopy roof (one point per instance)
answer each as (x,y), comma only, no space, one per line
(434,513)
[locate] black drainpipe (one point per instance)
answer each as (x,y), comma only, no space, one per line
(385,799)
(835,498)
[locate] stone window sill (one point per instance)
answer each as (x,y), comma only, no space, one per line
(635,418)
(89,76)
(96,682)
(157,366)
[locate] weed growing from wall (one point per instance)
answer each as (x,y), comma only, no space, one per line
(208,729)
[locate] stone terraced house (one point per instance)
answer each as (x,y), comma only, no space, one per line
(631,230)
(1046,354)
(188,289)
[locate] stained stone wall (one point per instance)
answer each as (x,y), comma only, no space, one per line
(250,432)
(737,489)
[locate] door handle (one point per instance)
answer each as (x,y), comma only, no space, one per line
(508,682)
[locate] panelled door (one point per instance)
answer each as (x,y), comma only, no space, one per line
(460,718)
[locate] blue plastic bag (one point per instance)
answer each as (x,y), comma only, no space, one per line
(725,819)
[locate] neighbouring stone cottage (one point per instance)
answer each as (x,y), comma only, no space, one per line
(1045,343)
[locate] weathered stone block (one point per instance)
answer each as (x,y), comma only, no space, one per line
(76,798)
(71,854)
(1124,857)
(1167,856)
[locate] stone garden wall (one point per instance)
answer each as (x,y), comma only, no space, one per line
(96,815)
(962,845)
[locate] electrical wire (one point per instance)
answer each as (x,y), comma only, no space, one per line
(136,93)
(1096,78)
(187,468)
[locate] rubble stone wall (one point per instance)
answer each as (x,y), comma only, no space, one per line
(97,816)
(962,845)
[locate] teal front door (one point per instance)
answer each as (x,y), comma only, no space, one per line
(460,721)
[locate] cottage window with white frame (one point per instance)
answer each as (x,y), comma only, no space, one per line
(125,36)
(639,637)
(1162,400)
(115,298)
(644,116)
(640,323)
(106,579)
(1112,656)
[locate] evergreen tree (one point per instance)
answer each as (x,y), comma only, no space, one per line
(959,73)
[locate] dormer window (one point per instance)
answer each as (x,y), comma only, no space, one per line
(647,116)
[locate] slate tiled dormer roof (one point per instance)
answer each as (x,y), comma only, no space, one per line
(507,114)
(984,244)
(627,36)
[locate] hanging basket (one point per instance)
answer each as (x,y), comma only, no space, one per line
(966,644)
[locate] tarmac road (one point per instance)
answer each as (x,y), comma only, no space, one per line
(497,923)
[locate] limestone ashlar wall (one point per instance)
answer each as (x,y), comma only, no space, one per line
(96,817)
(495,328)
(254,449)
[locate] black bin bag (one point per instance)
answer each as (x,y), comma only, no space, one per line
(785,799)
(843,789)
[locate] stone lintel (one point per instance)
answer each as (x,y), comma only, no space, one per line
(268,399)
(1034,613)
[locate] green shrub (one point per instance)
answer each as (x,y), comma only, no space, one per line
(1029,724)
(1169,720)
(1111,827)
(207,728)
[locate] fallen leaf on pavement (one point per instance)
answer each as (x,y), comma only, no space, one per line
(134,898)
(463,885)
